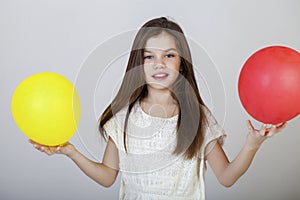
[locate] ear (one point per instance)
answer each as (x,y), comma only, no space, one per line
(180,69)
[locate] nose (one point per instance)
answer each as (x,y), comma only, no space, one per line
(159,63)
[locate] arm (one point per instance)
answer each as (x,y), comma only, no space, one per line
(229,172)
(103,173)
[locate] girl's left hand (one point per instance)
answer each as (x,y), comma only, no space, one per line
(257,137)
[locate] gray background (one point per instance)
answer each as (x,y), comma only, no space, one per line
(61,35)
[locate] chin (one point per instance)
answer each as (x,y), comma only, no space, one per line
(159,86)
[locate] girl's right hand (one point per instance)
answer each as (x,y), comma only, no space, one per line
(67,149)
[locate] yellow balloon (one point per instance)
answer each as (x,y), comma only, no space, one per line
(46,108)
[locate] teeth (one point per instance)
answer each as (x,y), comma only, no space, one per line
(160,75)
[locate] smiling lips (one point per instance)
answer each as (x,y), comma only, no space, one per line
(160,76)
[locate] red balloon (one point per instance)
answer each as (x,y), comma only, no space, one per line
(269,84)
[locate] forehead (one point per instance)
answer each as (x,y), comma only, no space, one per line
(162,41)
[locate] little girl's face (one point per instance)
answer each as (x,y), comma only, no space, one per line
(161,61)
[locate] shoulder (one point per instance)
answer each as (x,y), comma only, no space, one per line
(211,121)
(214,132)
(209,117)
(115,125)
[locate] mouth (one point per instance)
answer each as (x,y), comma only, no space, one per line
(160,76)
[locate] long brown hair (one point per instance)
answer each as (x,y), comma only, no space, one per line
(191,121)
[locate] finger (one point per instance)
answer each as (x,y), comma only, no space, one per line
(47,150)
(33,142)
(49,153)
(37,146)
(250,126)
(272,131)
(62,145)
(281,126)
(277,128)
(263,130)
(44,149)
(58,150)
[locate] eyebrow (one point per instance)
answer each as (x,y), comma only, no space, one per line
(166,50)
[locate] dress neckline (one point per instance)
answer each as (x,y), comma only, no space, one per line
(154,117)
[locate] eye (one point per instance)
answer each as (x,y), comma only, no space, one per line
(148,57)
(169,55)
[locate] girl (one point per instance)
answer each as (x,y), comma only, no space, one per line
(159,131)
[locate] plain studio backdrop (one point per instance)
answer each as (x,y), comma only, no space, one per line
(88,43)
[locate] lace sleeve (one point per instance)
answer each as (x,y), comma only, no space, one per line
(113,128)
(214,133)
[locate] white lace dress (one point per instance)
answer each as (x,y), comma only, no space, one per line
(149,170)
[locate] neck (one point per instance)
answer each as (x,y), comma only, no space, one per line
(161,97)
(159,103)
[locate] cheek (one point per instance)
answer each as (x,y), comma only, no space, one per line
(146,66)
(147,69)
(175,65)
